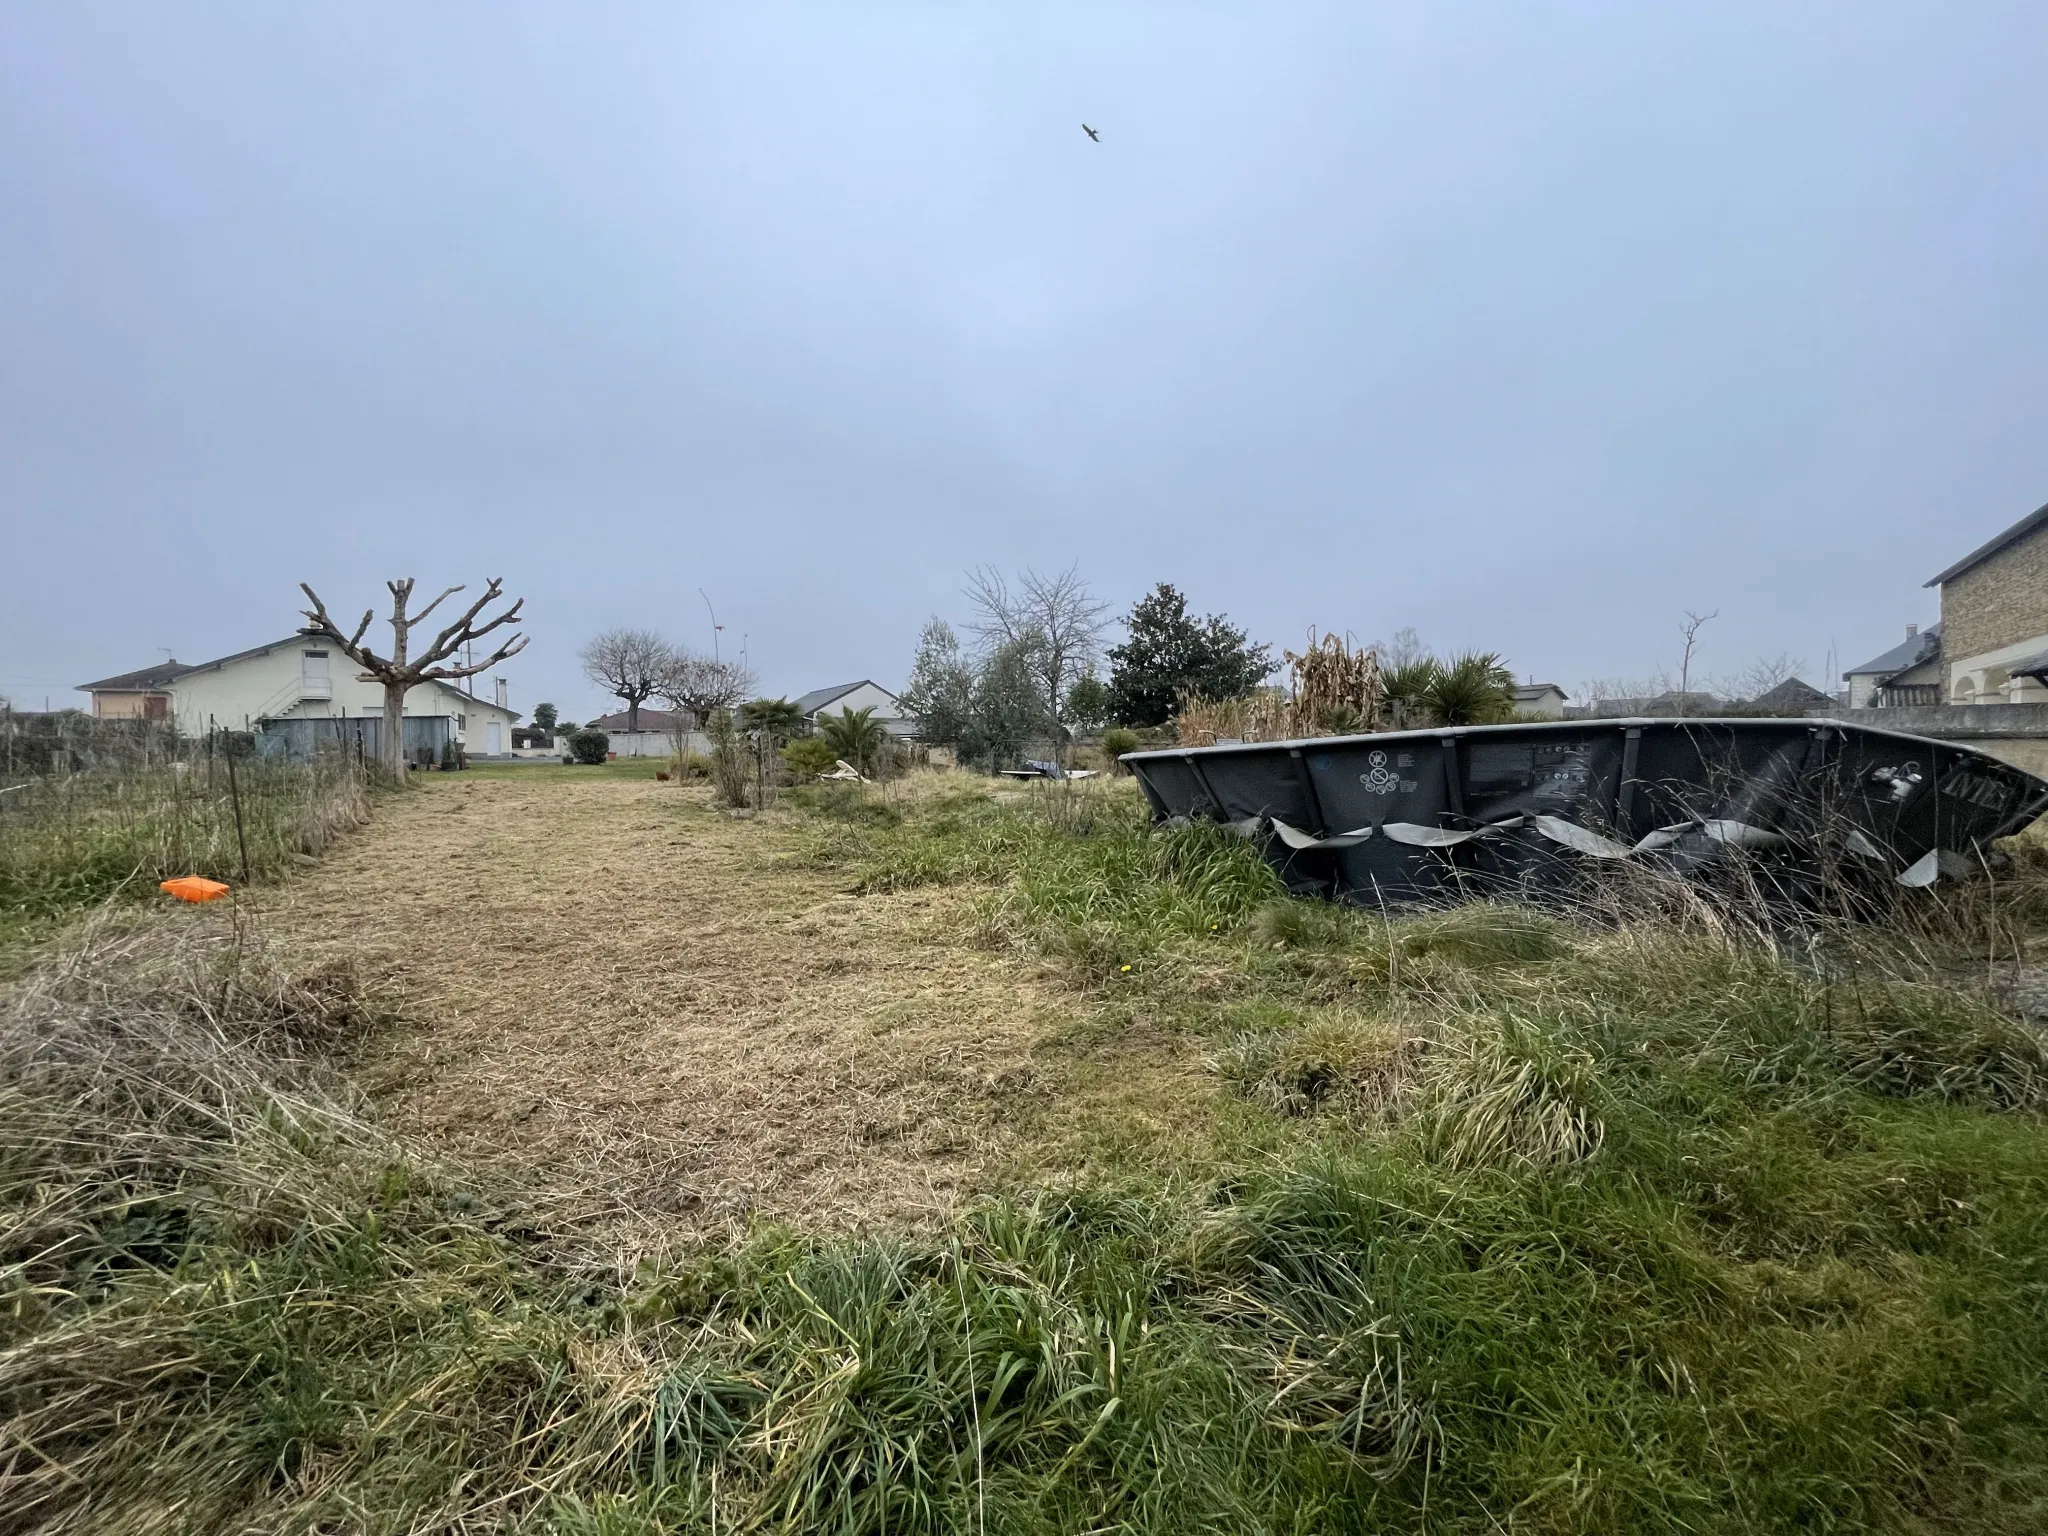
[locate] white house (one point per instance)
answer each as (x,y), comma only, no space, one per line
(1540,701)
(865,694)
(297,678)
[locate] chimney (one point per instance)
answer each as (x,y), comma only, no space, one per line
(501,692)
(1911,631)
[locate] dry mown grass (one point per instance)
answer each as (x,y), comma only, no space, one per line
(627,996)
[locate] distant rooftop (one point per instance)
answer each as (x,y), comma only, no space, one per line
(821,698)
(1909,652)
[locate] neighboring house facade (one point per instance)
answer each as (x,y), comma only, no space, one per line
(1540,701)
(1991,646)
(1994,618)
(654,735)
(298,678)
(1908,673)
(865,694)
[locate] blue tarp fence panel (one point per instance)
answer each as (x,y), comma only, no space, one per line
(300,738)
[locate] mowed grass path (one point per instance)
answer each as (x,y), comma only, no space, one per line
(668,1016)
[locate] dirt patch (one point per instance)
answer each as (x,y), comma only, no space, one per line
(644,1004)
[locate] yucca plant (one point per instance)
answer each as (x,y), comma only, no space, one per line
(1473,689)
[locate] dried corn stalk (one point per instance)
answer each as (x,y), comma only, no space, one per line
(1332,691)
(1263,715)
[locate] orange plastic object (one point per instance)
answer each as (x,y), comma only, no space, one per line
(194,888)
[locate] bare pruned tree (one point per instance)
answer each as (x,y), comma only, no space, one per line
(699,686)
(401,671)
(1056,622)
(629,664)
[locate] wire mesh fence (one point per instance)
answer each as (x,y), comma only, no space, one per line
(149,805)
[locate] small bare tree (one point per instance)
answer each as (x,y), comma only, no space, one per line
(1692,626)
(1404,650)
(700,686)
(1762,675)
(1620,695)
(704,691)
(629,664)
(401,671)
(1056,619)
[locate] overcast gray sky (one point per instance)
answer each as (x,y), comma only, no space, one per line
(1527,325)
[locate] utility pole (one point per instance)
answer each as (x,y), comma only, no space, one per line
(715,625)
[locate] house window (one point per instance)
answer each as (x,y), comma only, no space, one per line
(462,722)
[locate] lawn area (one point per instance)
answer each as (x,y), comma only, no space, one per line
(547,769)
(564,1154)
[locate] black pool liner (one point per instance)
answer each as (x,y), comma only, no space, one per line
(1416,815)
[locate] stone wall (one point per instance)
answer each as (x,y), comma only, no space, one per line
(2012,733)
(2000,601)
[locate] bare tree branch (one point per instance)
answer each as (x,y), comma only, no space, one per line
(997,620)
(421,616)
(503,653)
(701,686)
(460,632)
(352,647)
(1056,619)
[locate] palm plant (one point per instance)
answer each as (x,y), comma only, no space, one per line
(856,735)
(780,719)
(1473,689)
(1404,689)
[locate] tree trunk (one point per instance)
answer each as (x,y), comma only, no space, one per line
(632,714)
(391,747)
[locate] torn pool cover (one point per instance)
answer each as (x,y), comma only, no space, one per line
(1418,814)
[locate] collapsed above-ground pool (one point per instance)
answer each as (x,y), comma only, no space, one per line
(1407,815)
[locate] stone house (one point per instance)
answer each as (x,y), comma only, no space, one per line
(1994,619)
(1991,646)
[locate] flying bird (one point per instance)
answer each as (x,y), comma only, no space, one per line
(1091,133)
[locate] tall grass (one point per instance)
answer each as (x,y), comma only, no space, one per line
(1587,1229)
(68,841)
